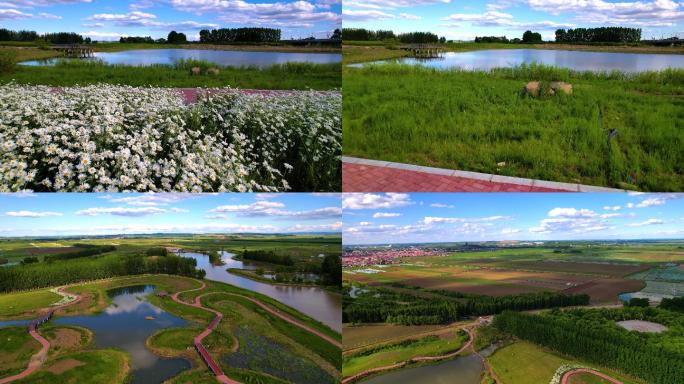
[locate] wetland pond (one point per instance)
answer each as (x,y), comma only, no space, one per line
(123,325)
(575,60)
(315,302)
(146,57)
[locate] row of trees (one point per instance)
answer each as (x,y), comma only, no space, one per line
(362,34)
(53,38)
(384,305)
(599,35)
(527,37)
(597,343)
(240,35)
(674,304)
(420,38)
(82,250)
(40,275)
(267,257)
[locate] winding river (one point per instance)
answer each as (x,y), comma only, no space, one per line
(318,303)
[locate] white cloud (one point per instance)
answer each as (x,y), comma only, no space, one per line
(121,211)
(440,205)
(494,18)
(32,214)
(571,212)
(151,198)
(633,13)
(613,208)
(383,215)
(510,231)
(143,19)
(408,16)
(266,208)
(647,222)
(365,15)
(375,201)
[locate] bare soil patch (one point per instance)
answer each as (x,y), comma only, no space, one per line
(596,268)
(606,290)
(642,326)
(64,365)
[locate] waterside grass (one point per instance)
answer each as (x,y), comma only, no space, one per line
(480,121)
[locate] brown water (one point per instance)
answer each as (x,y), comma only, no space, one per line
(320,304)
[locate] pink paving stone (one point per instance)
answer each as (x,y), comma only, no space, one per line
(364,178)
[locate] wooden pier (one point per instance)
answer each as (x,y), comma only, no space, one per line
(76,51)
(424,51)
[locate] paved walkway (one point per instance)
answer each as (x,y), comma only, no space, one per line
(569,374)
(361,175)
(39,358)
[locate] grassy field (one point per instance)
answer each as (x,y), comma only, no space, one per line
(525,363)
(300,76)
(479,121)
(441,342)
(367,334)
(101,366)
(16,304)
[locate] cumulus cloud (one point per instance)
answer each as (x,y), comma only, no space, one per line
(612,208)
(144,19)
(151,198)
(494,18)
(32,214)
(571,212)
(375,201)
(440,205)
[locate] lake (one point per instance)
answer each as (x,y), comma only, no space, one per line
(145,57)
(318,303)
(123,326)
(576,60)
(462,370)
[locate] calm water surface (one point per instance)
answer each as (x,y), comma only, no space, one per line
(122,325)
(320,304)
(225,58)
(577,60)
(462,370)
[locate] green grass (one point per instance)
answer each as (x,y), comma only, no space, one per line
(402,351)
(101,366)
(16,348)
(14,304)
(475,120)
(173,341)
(526,363)
(280,76)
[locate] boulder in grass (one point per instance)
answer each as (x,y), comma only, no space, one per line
(195,71)
(532,88)
(560,86)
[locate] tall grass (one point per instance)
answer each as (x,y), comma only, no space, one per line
(473,120)
(84,72)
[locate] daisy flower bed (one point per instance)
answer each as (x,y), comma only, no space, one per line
(119,138)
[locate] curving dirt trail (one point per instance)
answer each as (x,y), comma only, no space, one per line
(416,359)
(39,358)
(569,374)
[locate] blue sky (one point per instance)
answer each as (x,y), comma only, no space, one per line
(463,20)
(111,19)
(438,217)
(55,214)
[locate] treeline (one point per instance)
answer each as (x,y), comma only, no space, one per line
(140,39)
(83,250)
(331,270)
(673,304)
(267,257)
(599,35)
(384,305)
(157,251)
(492,39)
(240,35)
(54,38)
(41,275)
(362,34)
(629,352)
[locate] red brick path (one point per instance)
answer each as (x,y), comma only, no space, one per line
(368,178)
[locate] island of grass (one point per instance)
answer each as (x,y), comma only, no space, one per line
(480,120)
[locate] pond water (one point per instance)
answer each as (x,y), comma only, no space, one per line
(318,303)
(122,325)
(462,370)
(576,60)
(144,57)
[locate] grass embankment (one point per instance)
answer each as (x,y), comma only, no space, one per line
(280,76)
(437,344)
(526,363)
(16,349)
(473,120)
